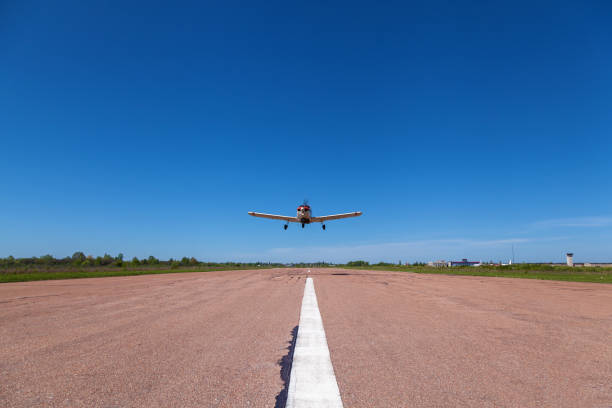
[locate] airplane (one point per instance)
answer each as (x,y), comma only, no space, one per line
(304,216)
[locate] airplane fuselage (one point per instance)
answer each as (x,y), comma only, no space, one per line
(303,214)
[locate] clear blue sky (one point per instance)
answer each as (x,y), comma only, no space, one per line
(459,128)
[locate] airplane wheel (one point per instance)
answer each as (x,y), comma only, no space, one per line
(285,226)
(302,225)
(323,226)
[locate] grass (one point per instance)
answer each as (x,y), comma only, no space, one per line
(84,273)
(524,271)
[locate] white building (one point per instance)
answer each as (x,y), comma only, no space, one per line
(570,259)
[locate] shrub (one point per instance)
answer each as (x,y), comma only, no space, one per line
(358,263)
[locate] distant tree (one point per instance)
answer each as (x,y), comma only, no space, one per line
(47,259)
(174,264)
(357,263)
(78,257)
(107,259)
(152,260)
(89,261)
(119,257)
(185,261)
(135,261)
(193,261)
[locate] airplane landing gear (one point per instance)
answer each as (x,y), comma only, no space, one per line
(302,225)
(323,226)
(285,226)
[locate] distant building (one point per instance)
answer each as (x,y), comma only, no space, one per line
(570,259)
(465,262)
(438,264)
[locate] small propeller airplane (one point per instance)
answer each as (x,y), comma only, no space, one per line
(304,216)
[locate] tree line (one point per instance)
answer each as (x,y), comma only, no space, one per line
(366,263)
(79,259)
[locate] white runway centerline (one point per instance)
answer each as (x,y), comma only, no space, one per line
(312,382)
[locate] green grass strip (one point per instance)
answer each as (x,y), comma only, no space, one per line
(76,274)
(592,274)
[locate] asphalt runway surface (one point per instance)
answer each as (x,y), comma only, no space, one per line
(224,339)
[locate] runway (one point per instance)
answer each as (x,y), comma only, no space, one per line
(408,340)
(223,339)
(180,340)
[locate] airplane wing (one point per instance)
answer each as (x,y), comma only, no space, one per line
(335,216)
(274,217)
